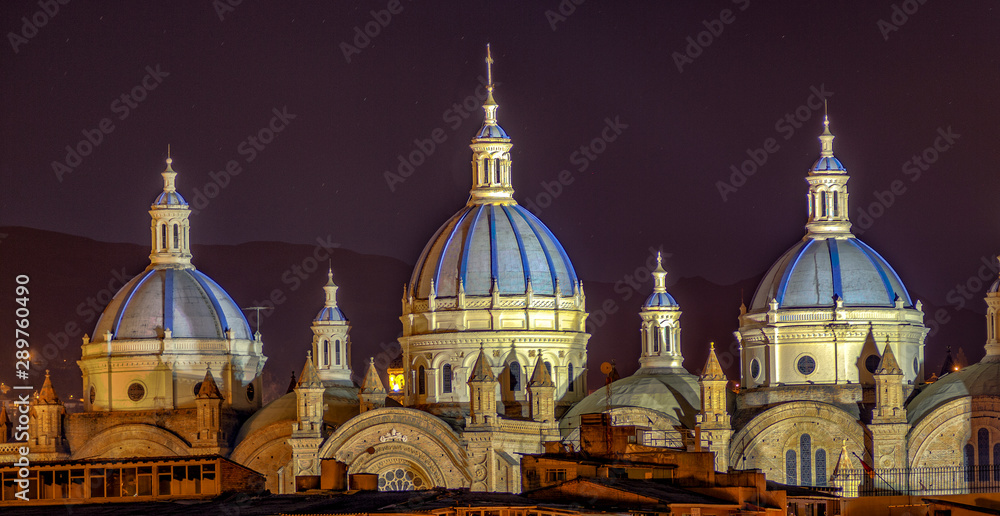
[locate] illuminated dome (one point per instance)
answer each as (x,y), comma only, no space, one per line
(486,241)
(184,301)
(170,327)
(820,309)
(493,275)
(815,270)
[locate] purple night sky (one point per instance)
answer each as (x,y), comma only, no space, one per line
(648,107)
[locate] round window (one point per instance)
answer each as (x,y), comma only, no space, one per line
(136,391)
(916,366)
(250,392)
(93,394)
(755,368)
(871,363)
(806,365)
(197,387)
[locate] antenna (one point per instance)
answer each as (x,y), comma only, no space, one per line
(257,309)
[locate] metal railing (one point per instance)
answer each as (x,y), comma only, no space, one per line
(943,480)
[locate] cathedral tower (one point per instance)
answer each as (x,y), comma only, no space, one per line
(331,339)
(661,326)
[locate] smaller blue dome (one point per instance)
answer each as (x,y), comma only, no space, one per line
(330,314)
(828,163)
(170,199)
(492,131)
(659,300)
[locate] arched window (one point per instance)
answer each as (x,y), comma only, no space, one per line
(970,462)
(163,236)
(668,341)
(822,204)
(515,376)
(996,462)
(326,353)
(805,452)
(176,236)
(984,454)
(835,207)
(446,378)
(821,467)
(548,367)
(336,352)
(421,381)
(790,474)
(656,339)
(569,379)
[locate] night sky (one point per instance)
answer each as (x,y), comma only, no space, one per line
(643,109)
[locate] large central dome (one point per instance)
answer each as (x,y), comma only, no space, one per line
(492,277)
(487,241)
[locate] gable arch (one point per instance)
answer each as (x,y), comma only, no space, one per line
(133,440)
(763,442)
(392,436)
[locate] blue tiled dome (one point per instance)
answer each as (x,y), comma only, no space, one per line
(814,270)
(829,164)
(485,241)
(659,300)
(169,199)
(491,131)
(186,301)
(330,314)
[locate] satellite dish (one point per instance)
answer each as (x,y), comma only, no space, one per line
(606,368)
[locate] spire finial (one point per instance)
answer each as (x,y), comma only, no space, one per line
(329,274)
(826,139)
(489,68)
(659,275)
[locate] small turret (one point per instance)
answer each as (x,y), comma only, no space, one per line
(482,392)
(541,393)
(889,427)
(209,405)
(372,394)
(714,421)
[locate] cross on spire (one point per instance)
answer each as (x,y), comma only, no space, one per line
(489,67)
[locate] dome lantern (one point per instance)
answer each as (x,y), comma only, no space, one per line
(491,153)
(170,228)
(827,208)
